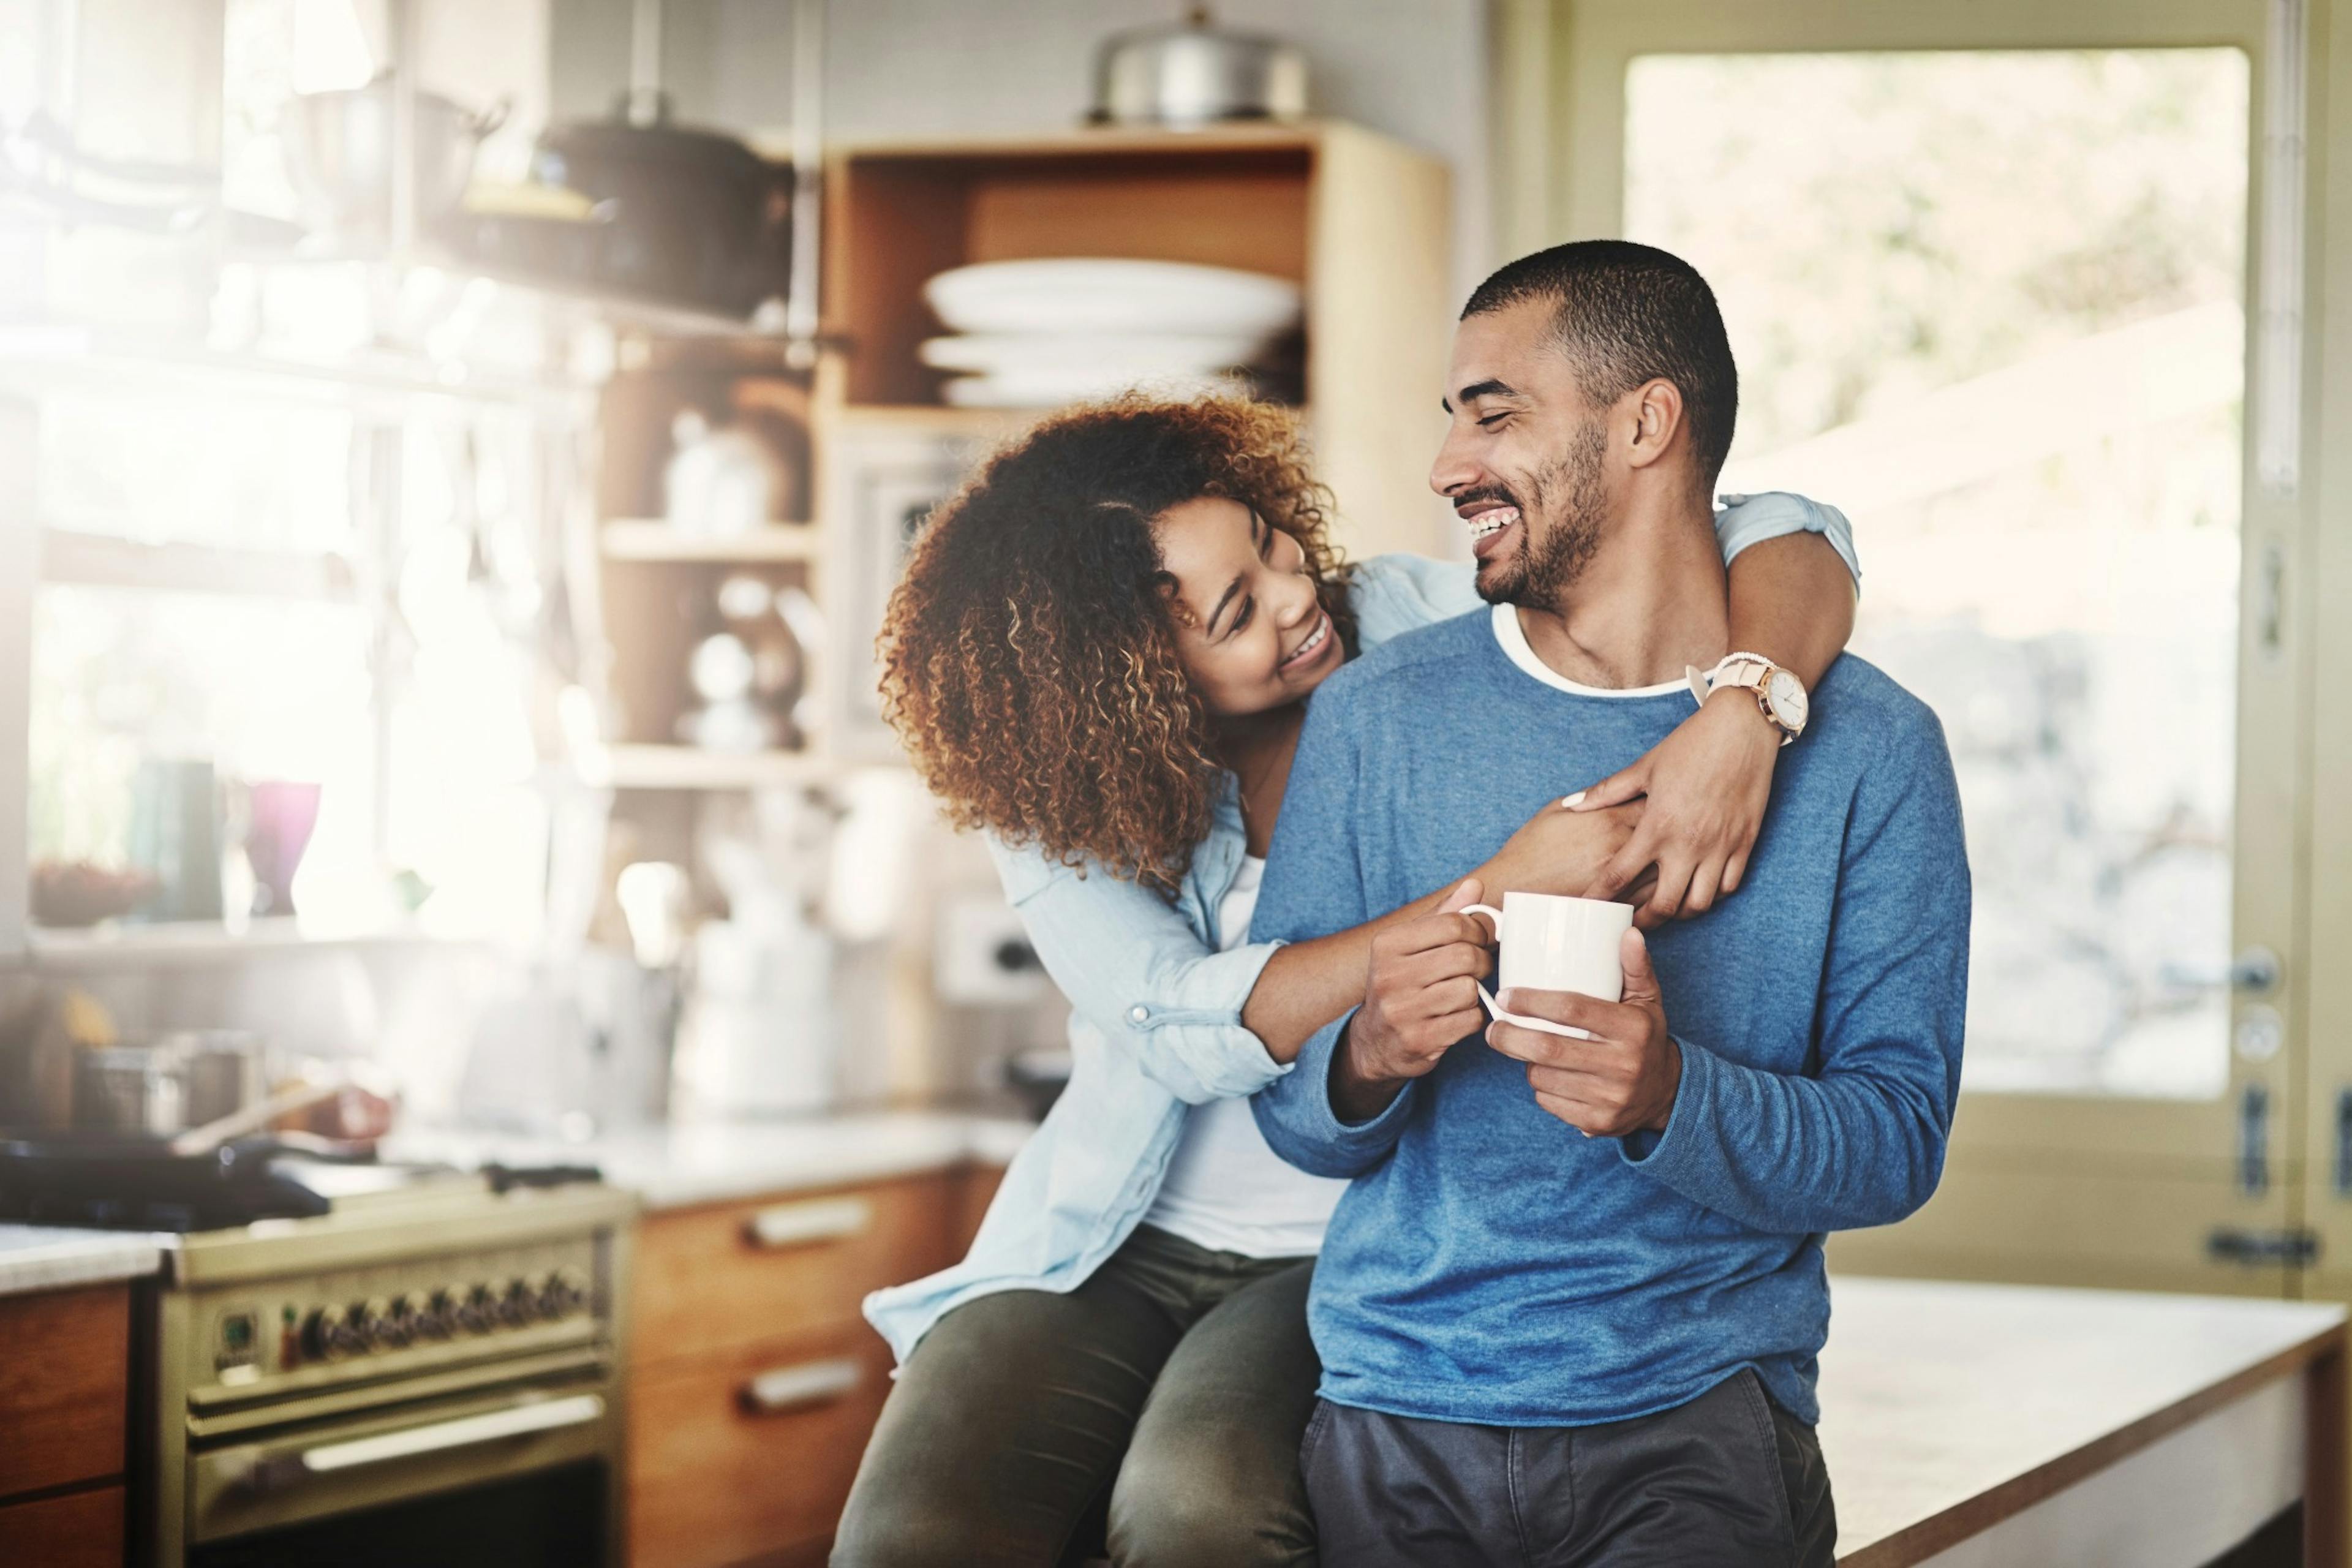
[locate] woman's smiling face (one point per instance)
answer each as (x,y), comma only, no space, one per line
(1250,629)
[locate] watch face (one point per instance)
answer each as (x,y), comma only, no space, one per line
(1787,695)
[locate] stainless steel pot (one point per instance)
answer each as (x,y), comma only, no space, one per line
(131,1088)
(183,1081)
(1193,74)
(339,154)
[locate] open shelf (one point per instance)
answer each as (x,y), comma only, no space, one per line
(650,539)
(659,318)
(36,356)
(691,767)
(114,944)
(902,215)
(100,560)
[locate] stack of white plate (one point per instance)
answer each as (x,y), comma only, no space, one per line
(1031,334)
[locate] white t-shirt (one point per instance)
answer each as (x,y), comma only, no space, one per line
(1226,1190)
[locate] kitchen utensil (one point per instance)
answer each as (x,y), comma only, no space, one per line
(696,217)
(721,482)
(1196,74)
(778,625)
(282,817)
(339,154)
(176,839)
(130,1089)
(1132,356)
(253,1117)
(77,893)
(221,1069)
(1071,295)
(161,1089)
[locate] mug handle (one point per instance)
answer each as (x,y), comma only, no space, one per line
(1488,910)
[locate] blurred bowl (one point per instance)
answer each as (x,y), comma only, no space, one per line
(78,893)
(1066,295)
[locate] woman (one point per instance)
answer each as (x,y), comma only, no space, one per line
(1100,654)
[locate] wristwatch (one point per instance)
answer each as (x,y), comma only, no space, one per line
(1779,694)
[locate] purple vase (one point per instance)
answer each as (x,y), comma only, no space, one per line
(283,815)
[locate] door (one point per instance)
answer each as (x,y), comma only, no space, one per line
(2017,286)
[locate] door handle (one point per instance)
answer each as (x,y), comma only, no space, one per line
(2255,1141)
(793,1387)
(438,1437)
(2255,971)
(2343,1161)
(819,1219)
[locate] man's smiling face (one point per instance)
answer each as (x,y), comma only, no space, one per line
(1525,458)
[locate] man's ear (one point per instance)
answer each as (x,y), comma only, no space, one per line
(1656,408)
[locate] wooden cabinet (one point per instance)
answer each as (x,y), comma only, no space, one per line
(1364,223)
(755,1381)
(64,1404)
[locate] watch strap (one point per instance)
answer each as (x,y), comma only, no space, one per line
(1751,670)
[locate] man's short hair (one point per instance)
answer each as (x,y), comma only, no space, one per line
(1626,314)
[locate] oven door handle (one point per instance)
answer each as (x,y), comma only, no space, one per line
(463,1432)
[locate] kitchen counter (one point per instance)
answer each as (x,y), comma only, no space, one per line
(679,1164)
(1976,1425)
(42,1258)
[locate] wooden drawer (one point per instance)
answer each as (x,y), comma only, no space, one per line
(733,1274)
(64,1386)
(79,1530)
(749,1453)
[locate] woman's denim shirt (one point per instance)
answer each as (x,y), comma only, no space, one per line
(1155,1006)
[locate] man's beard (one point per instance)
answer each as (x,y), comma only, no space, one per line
(1570,499)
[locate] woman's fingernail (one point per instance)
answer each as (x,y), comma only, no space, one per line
(1573,801)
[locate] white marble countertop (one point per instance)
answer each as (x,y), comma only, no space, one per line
(44,1257)
(1947,1407)
(679,1164)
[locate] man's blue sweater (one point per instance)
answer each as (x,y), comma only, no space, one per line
(1492,1264)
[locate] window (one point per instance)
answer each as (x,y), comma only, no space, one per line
(1992,303)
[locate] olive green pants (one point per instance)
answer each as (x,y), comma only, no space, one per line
(1169,1391)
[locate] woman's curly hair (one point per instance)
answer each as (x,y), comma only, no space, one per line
(1029,654)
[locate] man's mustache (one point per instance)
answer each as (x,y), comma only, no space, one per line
(1486,492)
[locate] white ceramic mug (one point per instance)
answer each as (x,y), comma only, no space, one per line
(1555,943)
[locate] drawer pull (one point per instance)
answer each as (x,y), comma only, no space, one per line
(820,1219)
(796,1387)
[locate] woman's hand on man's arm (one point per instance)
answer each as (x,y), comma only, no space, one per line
(1708,782)
(1305,984)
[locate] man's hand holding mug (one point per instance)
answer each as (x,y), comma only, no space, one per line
(1421,995)
(1621,1078)
(1581,1007)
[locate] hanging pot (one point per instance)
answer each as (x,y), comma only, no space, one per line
(339,154)
(696,217)
(1194,74)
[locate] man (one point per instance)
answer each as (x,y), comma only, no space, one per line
(1569,1309)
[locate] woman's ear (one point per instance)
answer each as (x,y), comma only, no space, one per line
(1656,409)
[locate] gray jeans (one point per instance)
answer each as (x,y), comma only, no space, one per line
(1171,1389)
(1729,1481)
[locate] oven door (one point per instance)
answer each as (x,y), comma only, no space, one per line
(518,1477)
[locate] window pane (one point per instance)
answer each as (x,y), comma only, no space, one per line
(1990,304)
(131,690)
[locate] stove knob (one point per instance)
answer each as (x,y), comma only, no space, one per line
(521,1304)
(395,1327)
(478,1314)
(566,1292)
(438,1319)
(354,1334)
(323,1334)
